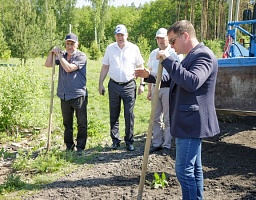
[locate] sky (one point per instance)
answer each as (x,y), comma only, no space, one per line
(80,3)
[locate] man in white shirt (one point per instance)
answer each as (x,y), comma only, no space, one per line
(119,61)
(161,129)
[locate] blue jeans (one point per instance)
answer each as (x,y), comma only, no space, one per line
(188,168)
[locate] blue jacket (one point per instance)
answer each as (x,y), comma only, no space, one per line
(192,93)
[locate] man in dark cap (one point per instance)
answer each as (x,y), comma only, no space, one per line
(72,90)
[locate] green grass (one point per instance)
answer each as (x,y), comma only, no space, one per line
(33,168)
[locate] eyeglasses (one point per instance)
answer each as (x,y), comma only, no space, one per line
(172,41)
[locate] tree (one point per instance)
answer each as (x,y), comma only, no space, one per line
(5,52)
(47,22)
(65,14)
(23,30)
(100,8)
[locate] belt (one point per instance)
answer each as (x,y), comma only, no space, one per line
(164,84)
(122,83)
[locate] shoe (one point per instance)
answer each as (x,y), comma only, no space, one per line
(115,146)
(165,151)
(79,152)
(153,149)
(129,147)
(70,148)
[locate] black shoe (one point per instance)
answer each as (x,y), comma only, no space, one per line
(129,147)
(165,151)
(153,149)
(115,146)
(79,152)
(70,148)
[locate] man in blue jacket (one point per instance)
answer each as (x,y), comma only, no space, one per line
(192,107)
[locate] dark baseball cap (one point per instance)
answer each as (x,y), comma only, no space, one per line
(71,37)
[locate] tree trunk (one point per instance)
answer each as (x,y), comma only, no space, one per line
(192,11)
(178,10)
(202,21)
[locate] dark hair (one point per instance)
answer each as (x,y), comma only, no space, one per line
(181,27)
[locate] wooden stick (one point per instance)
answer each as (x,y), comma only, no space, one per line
(150,129)
(51,105)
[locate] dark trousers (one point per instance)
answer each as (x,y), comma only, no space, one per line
(79,106)
(126,93)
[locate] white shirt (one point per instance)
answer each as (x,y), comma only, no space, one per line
(153,62)
(122,62)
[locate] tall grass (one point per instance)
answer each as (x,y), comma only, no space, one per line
(31,167)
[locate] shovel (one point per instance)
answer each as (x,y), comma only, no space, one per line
(150,128)
(51,105)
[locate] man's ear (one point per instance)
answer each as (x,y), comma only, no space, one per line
(186,35)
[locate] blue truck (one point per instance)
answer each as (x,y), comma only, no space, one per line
(236,81)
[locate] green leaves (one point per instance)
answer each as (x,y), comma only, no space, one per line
(158,182)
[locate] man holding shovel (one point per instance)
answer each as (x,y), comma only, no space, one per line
(72,90)
(192,107)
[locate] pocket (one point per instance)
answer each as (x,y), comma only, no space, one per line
(188,108)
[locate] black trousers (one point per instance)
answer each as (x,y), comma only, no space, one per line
(79,107)
(126,93)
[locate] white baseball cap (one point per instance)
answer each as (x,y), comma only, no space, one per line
(162,32)
(120,29)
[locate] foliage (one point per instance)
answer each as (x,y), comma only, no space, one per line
(84,49)
(129,16)
(23,31)
(5,52)
(216,46)
(64,11)
(144,47)
(158,182)
(94,51)
(34,161)
(41,164)
(37,25)
(21,92)
(12,182)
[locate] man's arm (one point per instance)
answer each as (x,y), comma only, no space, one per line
(142,84)
(142,72)
(103,74)
(68,67)
(48,62)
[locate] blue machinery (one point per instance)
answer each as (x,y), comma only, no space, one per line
(236,82)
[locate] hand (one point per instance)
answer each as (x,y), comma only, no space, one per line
(149,96)
(161,53)
(165,77)
(102,90)
(56,50)
(141,89)
(141,72)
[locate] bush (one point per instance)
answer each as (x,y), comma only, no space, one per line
(144,48)
(21,94)
(94,51)
(5,55)
(216,46)
(84,49)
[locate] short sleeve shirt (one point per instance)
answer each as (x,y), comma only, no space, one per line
(122,62)
(73,84)
(153,62)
